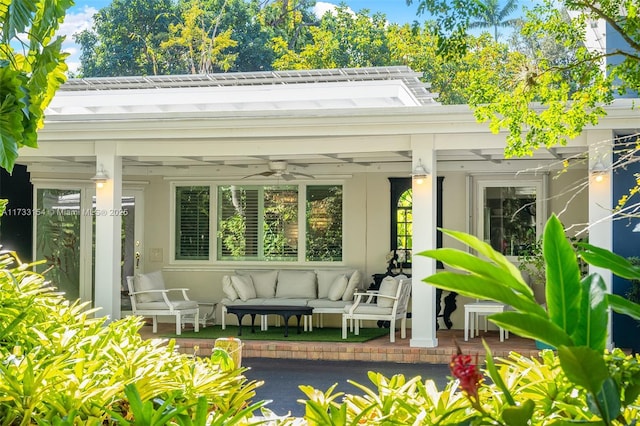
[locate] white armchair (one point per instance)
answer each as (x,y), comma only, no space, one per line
(391,305)
(150,298)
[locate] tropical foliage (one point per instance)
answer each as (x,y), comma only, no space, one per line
(581,383)
(31,70)
(63,365)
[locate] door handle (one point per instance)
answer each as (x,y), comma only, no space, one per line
(137,256)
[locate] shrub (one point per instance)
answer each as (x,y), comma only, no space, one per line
(582,383)
(61,365)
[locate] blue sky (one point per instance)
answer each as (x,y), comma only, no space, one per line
(79,17)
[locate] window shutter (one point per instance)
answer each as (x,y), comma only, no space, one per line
(257,222)
(192,222)
(324,223)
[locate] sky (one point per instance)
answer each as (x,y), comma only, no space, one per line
(79,18)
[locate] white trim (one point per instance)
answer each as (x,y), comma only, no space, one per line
(480,183)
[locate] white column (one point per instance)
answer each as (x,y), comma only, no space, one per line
(601,205)
(423,315)
(108,233)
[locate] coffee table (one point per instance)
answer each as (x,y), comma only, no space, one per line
(284,311)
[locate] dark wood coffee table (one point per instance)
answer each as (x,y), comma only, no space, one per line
(284,311)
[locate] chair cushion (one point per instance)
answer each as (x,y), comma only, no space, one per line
(388,287)
(227,288)
(265,283)
(296,284)
(369,309)
(338,287)
(355,282)
(326,278)
(149,281)
(177,305)
(243,285)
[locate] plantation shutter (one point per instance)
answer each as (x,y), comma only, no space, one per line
(192,222)
(324,223)
(257,223)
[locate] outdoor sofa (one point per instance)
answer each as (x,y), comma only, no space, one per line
(326,291)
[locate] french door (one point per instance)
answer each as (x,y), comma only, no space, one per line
(64,229)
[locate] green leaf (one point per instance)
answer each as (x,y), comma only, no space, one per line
(520,415)
(584,367)
(485,250)
(461,260)
(532,327)
(495,376)
(563,277)
(482,288)
(607,402)
(624,306)
(593,318)
(603,258)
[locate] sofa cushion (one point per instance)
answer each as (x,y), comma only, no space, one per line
(338,287)
(326,303)
(326,278)
(239,302)
(296,284)
(388,287)
(149,281)
(265,283)
(227,288)
(286,302)
(355,282)
(243,285)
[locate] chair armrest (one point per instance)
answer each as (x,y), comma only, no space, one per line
(386,296)
(147,291)
(183,290)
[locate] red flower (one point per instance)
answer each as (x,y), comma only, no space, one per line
(467,373)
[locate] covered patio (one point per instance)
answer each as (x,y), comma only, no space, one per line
(353,128)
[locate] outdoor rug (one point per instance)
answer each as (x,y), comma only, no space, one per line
(326,334)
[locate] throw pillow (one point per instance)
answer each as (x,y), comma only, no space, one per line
(150,281)
(265,283)
(243,285)
(355,282)
(326,278)
(388,287)
(228,289)
(338,287)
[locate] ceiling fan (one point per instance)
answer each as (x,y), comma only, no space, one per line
(279,170)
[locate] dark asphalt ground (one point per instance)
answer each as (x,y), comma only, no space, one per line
(283,376)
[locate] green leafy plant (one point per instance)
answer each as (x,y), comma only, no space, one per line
(581,382)
(576,315)
(633,293)
(61,364)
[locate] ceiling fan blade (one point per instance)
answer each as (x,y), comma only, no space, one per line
(302,174)
(287,176)
(267,173)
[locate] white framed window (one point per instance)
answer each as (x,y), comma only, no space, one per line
(509,213)
(256,223)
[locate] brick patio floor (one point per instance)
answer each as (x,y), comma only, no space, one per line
(379,349)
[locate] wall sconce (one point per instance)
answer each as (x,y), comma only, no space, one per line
(598,171)
(100,177)
(420,173)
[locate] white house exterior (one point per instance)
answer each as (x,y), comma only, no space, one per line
(355,128)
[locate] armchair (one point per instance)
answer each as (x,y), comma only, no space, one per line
(150,298)
(391,304)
